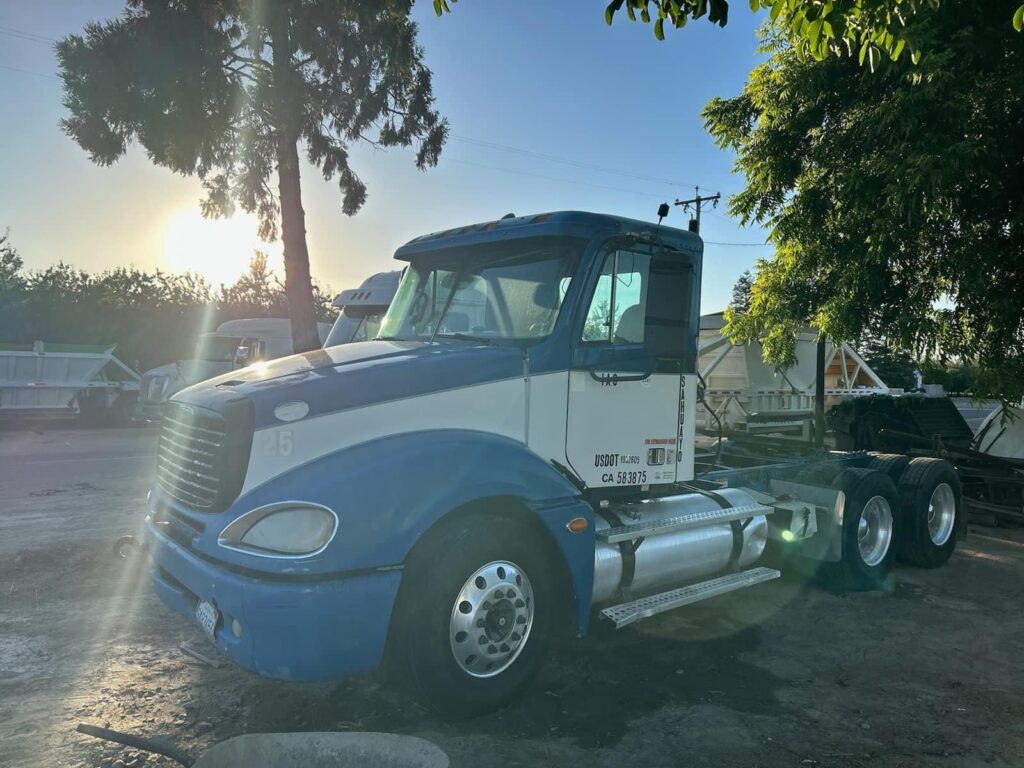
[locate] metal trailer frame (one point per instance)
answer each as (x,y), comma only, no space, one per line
(774,400)
(993,486)
(52,381)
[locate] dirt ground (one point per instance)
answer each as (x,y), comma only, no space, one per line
(926,673)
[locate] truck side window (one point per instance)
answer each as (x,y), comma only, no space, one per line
(618,307)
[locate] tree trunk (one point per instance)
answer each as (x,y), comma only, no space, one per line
(297,284)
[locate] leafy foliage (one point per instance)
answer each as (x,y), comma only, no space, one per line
(153,318)
(228,89)
(955,378)
(896,367)
(896,199)
(816,28)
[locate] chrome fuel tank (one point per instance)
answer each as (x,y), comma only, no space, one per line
(675,557)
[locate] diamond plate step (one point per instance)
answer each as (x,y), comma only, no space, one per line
(625,614)
(681,523)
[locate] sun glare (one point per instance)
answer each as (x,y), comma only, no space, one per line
(217,249)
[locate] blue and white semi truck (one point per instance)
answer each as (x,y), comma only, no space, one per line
(511,455)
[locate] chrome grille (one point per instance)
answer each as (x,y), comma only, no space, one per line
(190,457)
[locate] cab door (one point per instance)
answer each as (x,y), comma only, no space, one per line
(624,395)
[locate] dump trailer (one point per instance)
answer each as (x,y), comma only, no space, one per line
(84,380)
(511,458)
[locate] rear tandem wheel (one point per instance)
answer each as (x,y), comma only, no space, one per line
(870,530)
(931,512)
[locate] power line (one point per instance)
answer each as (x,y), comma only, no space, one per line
(42,39)
(564,160)
(29,72)
(744,245)
(21,33)
(554,178)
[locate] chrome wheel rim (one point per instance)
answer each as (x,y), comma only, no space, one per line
(941,514)
(874,530)
(491,619)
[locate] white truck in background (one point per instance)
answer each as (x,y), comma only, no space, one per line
(234,344)
(238,343)
(361,309)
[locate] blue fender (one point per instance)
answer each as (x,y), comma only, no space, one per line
(389,492)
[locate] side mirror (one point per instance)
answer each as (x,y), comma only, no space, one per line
(250,351)
(242,355)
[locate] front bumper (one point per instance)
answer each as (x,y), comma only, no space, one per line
(291,630)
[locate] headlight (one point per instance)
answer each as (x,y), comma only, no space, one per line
(288,529)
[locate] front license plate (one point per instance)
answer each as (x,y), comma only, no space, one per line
(207,616)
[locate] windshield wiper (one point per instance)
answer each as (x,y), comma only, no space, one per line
(464,337)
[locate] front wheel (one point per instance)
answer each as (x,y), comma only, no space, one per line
(474,615)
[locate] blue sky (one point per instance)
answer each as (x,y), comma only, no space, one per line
(520,83)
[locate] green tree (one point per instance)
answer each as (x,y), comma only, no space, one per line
(954,377)
(12,291)
(817,28)
(740,301)
(228,90)
(256,293)
(896,367)
(11,278)
(259,293)
(895,199)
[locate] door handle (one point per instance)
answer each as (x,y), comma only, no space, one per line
(614,379)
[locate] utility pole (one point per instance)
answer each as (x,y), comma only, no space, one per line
(698,202)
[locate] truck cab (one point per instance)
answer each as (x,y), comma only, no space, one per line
(360,310)
(512,452)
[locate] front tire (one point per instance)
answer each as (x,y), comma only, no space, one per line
(475,614)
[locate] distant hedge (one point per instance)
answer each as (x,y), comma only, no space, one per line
(152,317)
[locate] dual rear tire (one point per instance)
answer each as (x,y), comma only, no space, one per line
(931,509)
(897,507)
(870,530)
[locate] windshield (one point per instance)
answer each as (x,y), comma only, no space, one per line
(217,349)
(509,290)
(353,326)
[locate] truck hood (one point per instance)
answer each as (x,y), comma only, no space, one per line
(354,375)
